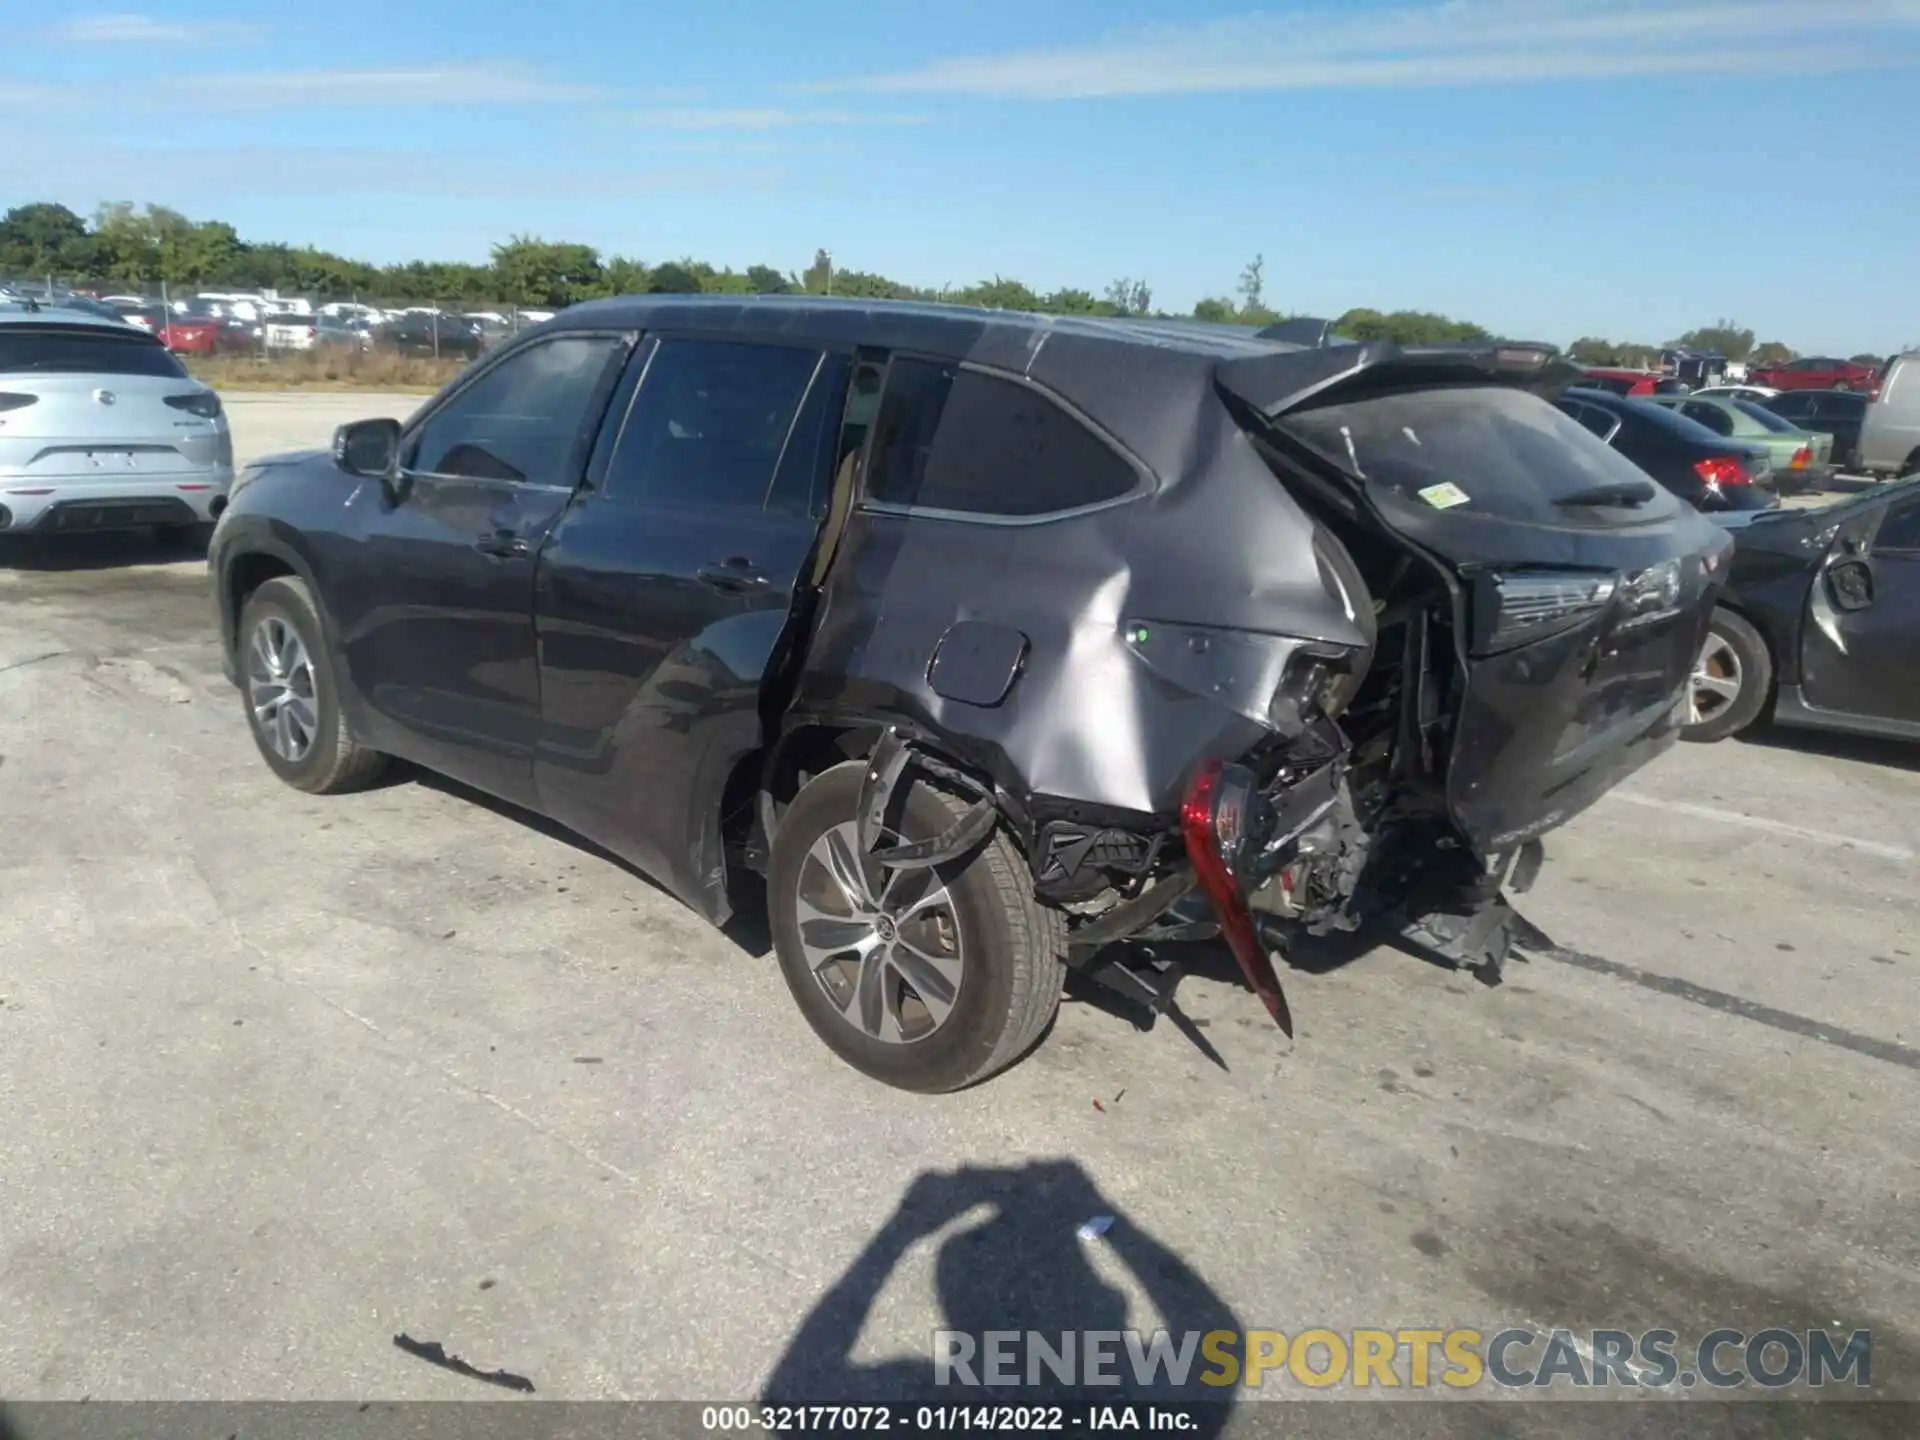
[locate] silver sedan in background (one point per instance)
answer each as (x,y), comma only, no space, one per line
(102,429)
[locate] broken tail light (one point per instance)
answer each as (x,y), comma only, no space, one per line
(1802,458)
(1515,607)
(1220,819)
(1719,470)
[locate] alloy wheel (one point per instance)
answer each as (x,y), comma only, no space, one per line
(885,947)
(280,689)
(1716,680)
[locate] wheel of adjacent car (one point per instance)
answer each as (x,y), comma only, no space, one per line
(1731,678)
(928,980)
(293,704)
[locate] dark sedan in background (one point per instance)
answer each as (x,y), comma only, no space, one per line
(1820,620)
(1838,413)
(421,333)
(1704,469)
(1801,460)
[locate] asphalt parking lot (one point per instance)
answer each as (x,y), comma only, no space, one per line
(285,1076)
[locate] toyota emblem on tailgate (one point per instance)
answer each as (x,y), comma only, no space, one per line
(105,397)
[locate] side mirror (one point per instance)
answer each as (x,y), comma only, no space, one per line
(1850,583)
(368,447)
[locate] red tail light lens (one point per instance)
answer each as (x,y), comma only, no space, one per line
(1722,471)
(1214,819)
(1802,458)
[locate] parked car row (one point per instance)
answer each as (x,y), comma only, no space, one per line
(1835,416)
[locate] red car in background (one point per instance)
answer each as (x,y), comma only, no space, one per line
(1816,372)
(190,335)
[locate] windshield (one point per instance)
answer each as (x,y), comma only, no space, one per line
(1483,449)
(1765,418)
(70,350)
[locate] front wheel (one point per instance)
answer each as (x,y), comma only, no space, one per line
(1731,678)
(927,980)
(293,703)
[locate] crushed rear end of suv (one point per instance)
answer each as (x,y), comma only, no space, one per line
(999,645)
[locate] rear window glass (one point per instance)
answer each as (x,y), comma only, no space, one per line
(1509,452)
(952,439)
(1766,419)
(70,350)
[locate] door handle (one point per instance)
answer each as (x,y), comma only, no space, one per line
(503,544)
(734,575)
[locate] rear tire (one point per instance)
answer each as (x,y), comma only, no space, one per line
(1734,654)
(979,916)
(286,667)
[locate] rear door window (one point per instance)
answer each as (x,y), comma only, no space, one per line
(75,350)
(1490,450)
(955,440)
(1591,417)
(709,425)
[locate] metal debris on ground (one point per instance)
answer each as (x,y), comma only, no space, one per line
(434,1353)
(1095,1228)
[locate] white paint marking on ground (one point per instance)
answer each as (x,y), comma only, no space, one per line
(1772,827)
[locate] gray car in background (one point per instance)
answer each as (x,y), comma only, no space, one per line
(102,429)
(1890,433)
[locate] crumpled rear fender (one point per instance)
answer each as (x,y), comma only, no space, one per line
(1002,644)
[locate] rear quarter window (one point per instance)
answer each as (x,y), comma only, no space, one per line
(75,350)
(952,439)
(1509,452)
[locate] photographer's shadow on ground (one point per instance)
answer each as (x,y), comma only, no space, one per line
(1024,1268)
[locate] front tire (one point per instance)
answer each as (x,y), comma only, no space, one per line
(292,698)
(925,980)
(1732,677)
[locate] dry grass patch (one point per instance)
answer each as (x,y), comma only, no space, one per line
(325,368)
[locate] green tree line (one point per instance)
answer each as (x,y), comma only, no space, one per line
(144,247)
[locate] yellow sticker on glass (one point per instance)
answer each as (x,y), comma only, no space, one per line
(1444,496)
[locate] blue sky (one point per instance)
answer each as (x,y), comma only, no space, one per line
(1548,168)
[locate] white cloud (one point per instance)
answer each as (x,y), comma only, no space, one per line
(1454,42)
(760,120)
(399,85)
(145,30)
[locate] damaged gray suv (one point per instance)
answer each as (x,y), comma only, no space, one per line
(1000,645)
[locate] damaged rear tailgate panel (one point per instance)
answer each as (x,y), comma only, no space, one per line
(1452,450)
(1006,637)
